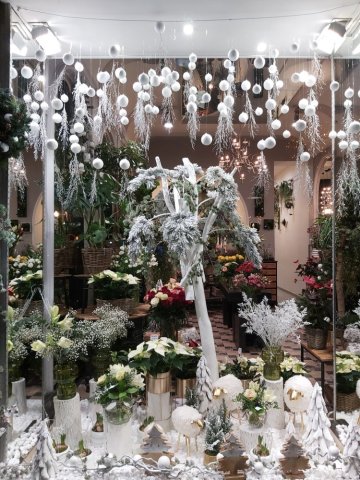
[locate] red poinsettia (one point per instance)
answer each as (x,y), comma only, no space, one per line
(246,267)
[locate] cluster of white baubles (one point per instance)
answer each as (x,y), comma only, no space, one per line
(22,445)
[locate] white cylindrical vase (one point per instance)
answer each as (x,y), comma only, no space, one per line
(19,393)
(158,399)
(68,418)
(118,438)
(275,417)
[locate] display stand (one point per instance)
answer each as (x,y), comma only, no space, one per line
(93,406)
(118,438)
(275,417)
(68,418)
(19,394)
(159,407)
(249,436)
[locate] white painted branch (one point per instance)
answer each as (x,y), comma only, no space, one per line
(165,188)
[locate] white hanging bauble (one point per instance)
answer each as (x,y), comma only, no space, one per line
(122,101)
(274,52)
(26,72)
(191,107)
(39,96)
(35,117)
(347,103)
(64,98)
(303,75)
(354,144)
(315,103)
(79,67)
(354,127)
(334,86)
(122,112)
(208,77)
(191,66)
(34,106)
(34,126)
(310,110)
(13,73)
(206,139)
(227,63)
(146,96)
(270,104)
(343,145)
(103,77)
(91,92)
(57,118)
(97,120)
(258,111)
(221,107)
(279,84)
(230,78)
(349,93)
(245,85)
(57,104)
(261,145)
(137,87)
(270,142)
(120,73)
(229,101)
(295,77)
(159,27)
(148,108)
(276,124)
(166,92)
(299,125)
(304,156)
(155,81)
(165,71)
(341,135)
(78,127)
(123,80)
(97,163)
(124,121)
(192,98)
(193,90)
(83,88)
(44,106)
(186,76)
(273,69)
(259,467)
(115,51)
(295,46)
(81,168)
(74,139)
(332,134)
(151,72)
(52,144)
(284,109)
(310,81)
(40,55)
(256,89)
(68,58)
(175,75)
(193,57)
(297,393)
(124,164)
(233,54)
(224,85)
(268,84)
(144,78)
(75,147)
(259,62)
(286,134)
(175,87)
(206,97)
(243,117)
(303,103)
(155,110)
(27,98)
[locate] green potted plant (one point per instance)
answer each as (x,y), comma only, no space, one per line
(243,368)
(81,451)
(61,448)
(347,376)
(255,401)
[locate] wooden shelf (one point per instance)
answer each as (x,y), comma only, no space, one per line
(269,269)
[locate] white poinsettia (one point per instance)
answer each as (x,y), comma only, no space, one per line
(110,274)
(138,351)
(181,349)
(64,342)
(138,381)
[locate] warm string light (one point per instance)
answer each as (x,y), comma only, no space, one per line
(326,204)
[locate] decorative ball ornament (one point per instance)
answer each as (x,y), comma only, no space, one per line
(230,78)
(259,467)
(44,106)
(243,117)
(40,55)
(191,107)
(34,116)
(74,139)
(229,101)
(300,125)
(124,164)
(91,92)
(78,127)
(144,78)
(13,73)
(57,118)
(186,76)
(145,96)
(68,58)
(120,73)
(259,62)
(349,93)
(354,144)
(279,84)
(343,145)
(124,121)
(97,120)
(115,51)
(273,69)
(206,139)
(64,98)
(147,108)
(83,88)
(310,110)
(52,144)
(163,462)
(39,96)
(245,85)
(75,148)
(295,46)
(155,81)
(286,134)
(192,98)
(34,106)
(81,168)
(354,127)
(79,67)
(259,111)
(122,101)
(165,71)
(159,27)
(261,145)
(192,66)
(256,89)
(122,112)
(270,142)
(175,75)
(137,87)
(227,63)
(206,97)
(341,135)
(175,87)
(303,75)
(297,393)
(304,156)
(233,54)
(268,84)
(193,57)
(334,86)
(276,124)
(103,77)
(57,104)
(303,103)
(166,92)
(79,112)
(169,79)
(284,109)
(208,78)
(270,104)
(347,103)
(310,81)
(332,134)
(193,90)
(97,163)
(224,85)
(27,98)
(333,451)
(26,72)
(295,77)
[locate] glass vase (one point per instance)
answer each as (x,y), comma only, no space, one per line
(65,376)
(272,357)
(117,413)
(254,419)
(100,361)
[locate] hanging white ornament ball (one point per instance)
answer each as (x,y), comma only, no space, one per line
(279,84)
(175,87)
(268,84)
(166,92)
(39,96)
(245,85)
(259,467)
(315,103)
(146,96)
(79,67)
(122,112)
(79,112)
(191,107)
(13,73)
(208,78)
(155,110)
(52,144)
(164,462)
(193,57)
(261,145)
(295,46)
(300,125)
(230,78)
(343,145)
(74,139)
(206,97)
(270,104)
(122,101)
(34,106)
(175,75)
(97,163)
(349,93)
(354,127)
(123,80)
(310,81)
(192,98)
(333,451)
(310,110)
(40,55)
(273,69)
(227,63)
(33,116)
(284,109)
(83,88)
(193,90)
(144,78)
(191,66)
(347,103)
(115,51)
(57,104)
(258,111)
(64,98)
(78,127)
(124,121)
(276,124)
(233,54)
(259,62)
(68,58)
(332,135)
(334,86)
(286,134)
(148,108)
(103,77)
(303,75)
(186,76)
(354,144)
(169,79)
(137,87)
(159,27)
(304,156)
(270,142)
(303,103)
(26,72)
(81,168)
(341,134)
(44,106)
(229,101)
(151,72)
(27,98)
(120,73)
(224,85)
(155,81)
(97,120)
(256,89)
(243,117)
(91,92)
(75,148)
(295,77)
(274,52)
(165,71)
(221,107)
(297,393)
(34,127)
(206,139)
(57,118)
(124,164)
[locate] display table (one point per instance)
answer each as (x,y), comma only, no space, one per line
(323,356)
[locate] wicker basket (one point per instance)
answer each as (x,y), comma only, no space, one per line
(128,305)
(316,338)
(96,260)
(63,260)
(347,402)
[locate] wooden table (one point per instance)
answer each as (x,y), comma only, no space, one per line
(323,356)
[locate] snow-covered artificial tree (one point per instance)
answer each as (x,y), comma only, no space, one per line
(196,204)
(351,453)
(203,385)
(214,433)
(317,437)
(44,466)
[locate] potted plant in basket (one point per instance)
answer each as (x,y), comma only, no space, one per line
(255,401)
(347,376)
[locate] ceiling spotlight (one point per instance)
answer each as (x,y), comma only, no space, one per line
(331,37)
(188,29)
(168,126)
(262,46)
(46,38)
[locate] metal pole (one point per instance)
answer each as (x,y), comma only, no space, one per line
(4,199)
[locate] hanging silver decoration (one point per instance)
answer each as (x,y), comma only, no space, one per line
(17,174)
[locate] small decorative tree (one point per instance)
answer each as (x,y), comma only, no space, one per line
(203,385)
(44,466)
(156,441)
(214,433)
(223,413)
(185,223)
(294,462)
(351,452)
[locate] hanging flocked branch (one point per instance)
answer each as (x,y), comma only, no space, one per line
(190,94)
(168,114)
(225,127)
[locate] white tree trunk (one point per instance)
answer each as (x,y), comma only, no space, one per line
(206,333)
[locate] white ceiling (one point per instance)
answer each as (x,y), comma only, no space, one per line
(89,28)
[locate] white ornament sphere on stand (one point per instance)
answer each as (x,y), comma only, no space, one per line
(268,84)
(186,421)
(303,103)
(354,127)
(166,92)
(97,163)
(115,51)
(186,76)
(332,134)
(78,127)
(276,124)
(297,393)
(270,104)
(310,110)
(44,106)
(295,77)
(224,85)
(206,139)
(233,54)
(245,85)
(258,111)
(124,164)
(284,109)
(208,77)
(256,89)
(57,118)
(243,117)
(349,93)
(261,145)
(74,139)
(259,62)
(334,86)
(354,144)
(299,125)
(341,134)
(229,101)
(310,81)
(343,145)
(191,66)
(124,121)
(229,387)
(34,106)
(304,156)
(68,58)
(26,72)
(52,144)
(75,148)
(57,104)
(191,107)
(79,67)
(286,134)
(40,55)
(13,73)
(206,97)
(270,142)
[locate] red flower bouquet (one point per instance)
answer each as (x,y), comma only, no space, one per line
(249,279)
